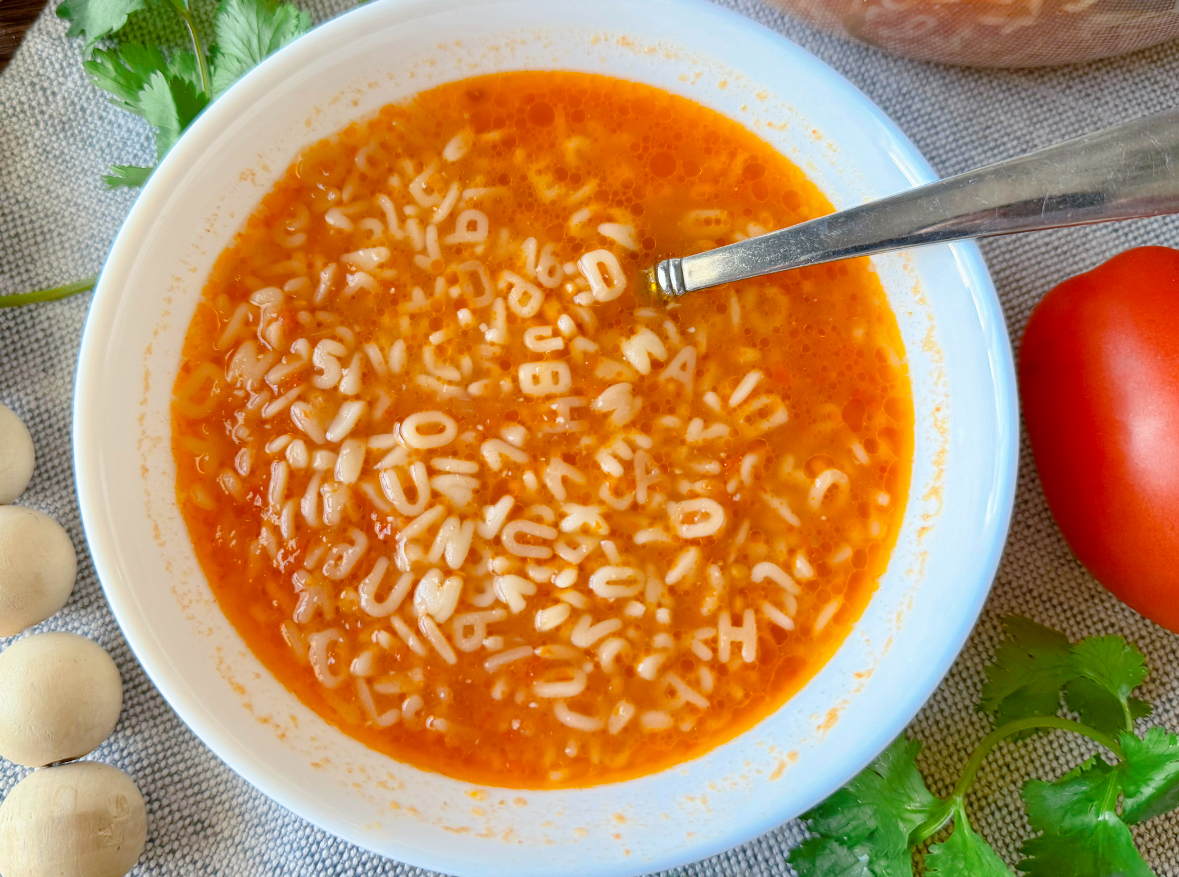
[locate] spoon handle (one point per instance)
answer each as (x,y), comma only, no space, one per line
(1124,172)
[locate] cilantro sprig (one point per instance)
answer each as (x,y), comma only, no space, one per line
(165,83)
(872,826)
(169,85)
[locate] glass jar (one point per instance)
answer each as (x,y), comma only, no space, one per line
(997,33)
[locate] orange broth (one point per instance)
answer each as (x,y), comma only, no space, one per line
(480,503)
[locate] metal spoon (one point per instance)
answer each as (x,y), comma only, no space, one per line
(1124,172)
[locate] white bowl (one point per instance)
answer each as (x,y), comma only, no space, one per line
(939,574)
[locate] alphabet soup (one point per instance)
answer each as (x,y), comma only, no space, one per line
(483,506)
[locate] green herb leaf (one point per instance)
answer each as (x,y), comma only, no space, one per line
(824,857)
(169,105)
(127,176)
(1031,666)
(247,32)
(890,787)
(964,854)
(184,66)
(867,828)
(870,819)
(1108,669)
(124,73)
(170,90)
(1150,775)
(1111,662)
(1034,665)
(95,19)
(1102,710)
(1080,832)
(165,92)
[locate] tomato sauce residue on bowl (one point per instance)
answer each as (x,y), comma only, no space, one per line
(483,506)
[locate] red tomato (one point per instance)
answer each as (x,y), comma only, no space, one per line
(1099,379)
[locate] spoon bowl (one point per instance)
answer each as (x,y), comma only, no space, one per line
(1128,171)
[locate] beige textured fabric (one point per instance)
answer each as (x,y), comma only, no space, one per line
(57,135)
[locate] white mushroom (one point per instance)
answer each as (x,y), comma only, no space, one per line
(37,568)
(60,696)
(16,456)
(77,820)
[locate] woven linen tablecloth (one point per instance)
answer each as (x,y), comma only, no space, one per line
(57,136)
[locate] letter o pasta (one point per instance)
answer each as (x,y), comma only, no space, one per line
(442,430)
(698,518)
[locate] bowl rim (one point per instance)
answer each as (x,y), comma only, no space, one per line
(246,92)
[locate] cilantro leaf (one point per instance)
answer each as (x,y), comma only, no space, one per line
(845,816)
(124,73)
(1034,666)
(95,19)
(867,828)
(164,91)
(1108,668)
(893,781)
(247,32)
(823,857)
(1100,709)
(869,820)
(169,105)
(964,854)
(891,788)
(1111,662)
(1031,666)
(183,66)
(1150,775)
(1080,832)
(127,176)
(169,88)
